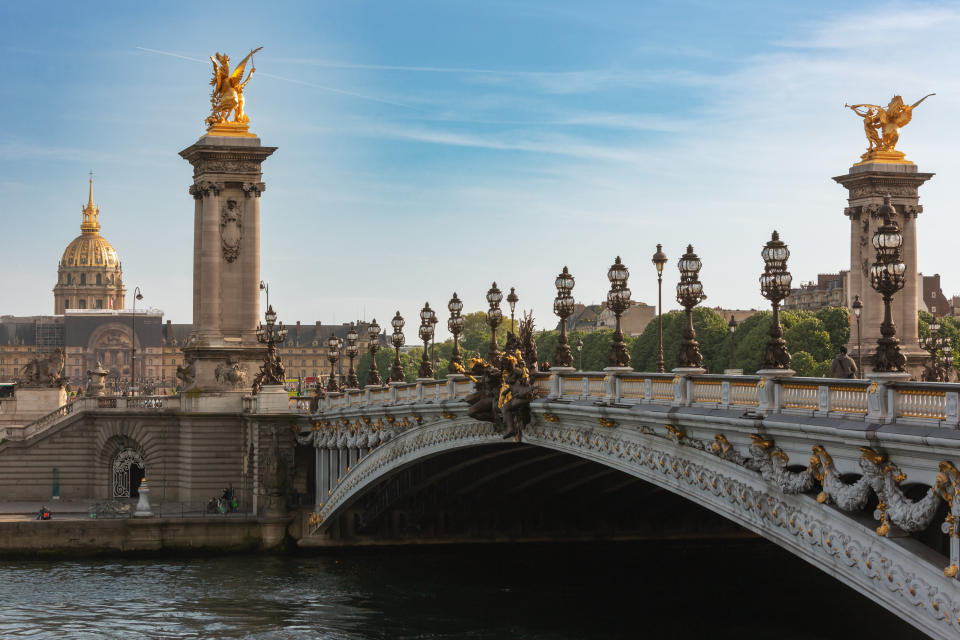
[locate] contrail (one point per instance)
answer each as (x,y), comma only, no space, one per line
(292,80)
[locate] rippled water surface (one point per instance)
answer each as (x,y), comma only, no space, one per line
(623,590)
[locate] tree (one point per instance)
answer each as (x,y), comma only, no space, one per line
(711,331)
(836,321)
(476,334)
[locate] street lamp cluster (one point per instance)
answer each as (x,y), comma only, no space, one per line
(887,277)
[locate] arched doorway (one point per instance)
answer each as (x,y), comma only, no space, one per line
(127,471)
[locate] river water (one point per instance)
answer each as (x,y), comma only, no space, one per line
(612,590)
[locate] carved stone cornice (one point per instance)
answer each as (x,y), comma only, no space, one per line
(240,163)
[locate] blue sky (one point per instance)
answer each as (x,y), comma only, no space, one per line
(432,147)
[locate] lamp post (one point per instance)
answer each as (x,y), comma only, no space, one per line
(494,316)
(941,353)
(396,372)
(455,326)
(333,354)
(857,307)
(775,286)
(618,301)
(659,260)
(271,334)
(426,334)
(733,330)
(133,340)
(580,352)
(266,287)
(373,374)
(887,277)
(513,299)
(563,307)
(690,294)
(352,350)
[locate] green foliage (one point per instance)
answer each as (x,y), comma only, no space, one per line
(476,334)
(949,326)
(805,365)
(711,331)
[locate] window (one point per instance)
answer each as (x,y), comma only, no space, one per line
(83,279)
(83,304)
(99,302)
(66,304)
(99,281)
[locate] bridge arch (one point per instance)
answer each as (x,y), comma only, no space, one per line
(900,574)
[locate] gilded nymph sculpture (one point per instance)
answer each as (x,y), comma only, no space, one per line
(227,93)
(882,126)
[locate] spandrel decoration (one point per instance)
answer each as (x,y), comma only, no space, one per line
(226,98)
(882,126)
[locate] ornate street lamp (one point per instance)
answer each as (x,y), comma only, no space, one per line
(775,286)
(579,346)
(427,317)
(941,353)
(857,307)
(373,374)
(690,294)
(659,260)
(272,334)
(455,326)
(618,301)
(563,307)
(887,277)
(133,340)
(494,316)
(333,354)
(396,372)
(352,350)
(733,330)
(513,299)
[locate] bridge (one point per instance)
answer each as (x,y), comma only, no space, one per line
(854,476)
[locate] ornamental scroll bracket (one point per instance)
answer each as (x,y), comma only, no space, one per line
(204,188)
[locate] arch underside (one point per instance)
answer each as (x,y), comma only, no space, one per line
(898,573)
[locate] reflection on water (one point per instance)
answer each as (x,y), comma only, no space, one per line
(620,590)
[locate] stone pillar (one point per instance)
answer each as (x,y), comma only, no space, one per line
(227,184)
(867,183)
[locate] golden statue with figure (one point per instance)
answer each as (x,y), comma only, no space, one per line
(882,126)
(227,96)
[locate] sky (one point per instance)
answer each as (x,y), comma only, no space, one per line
(432,147)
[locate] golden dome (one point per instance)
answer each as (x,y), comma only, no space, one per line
(90,249)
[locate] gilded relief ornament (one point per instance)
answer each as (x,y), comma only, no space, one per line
(226,98)
(231,230)
(882,127)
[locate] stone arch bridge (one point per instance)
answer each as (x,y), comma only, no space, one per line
(855,477)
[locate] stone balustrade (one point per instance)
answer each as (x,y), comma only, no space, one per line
(865,400)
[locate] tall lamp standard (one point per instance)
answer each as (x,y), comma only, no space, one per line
(659,260)
(133,340)
(352,350)
(373,374)
(396,372)
(580,352)
(887,277)
(494,316)
(264,286)
(733,330)
(513,299)
(333,354)
(941,353)
(857,307)
(775,286)
(455,326)
(690,294)
(618,301)
(426,334)
(563,306)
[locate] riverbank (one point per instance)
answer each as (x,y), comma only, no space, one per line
(73,533)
